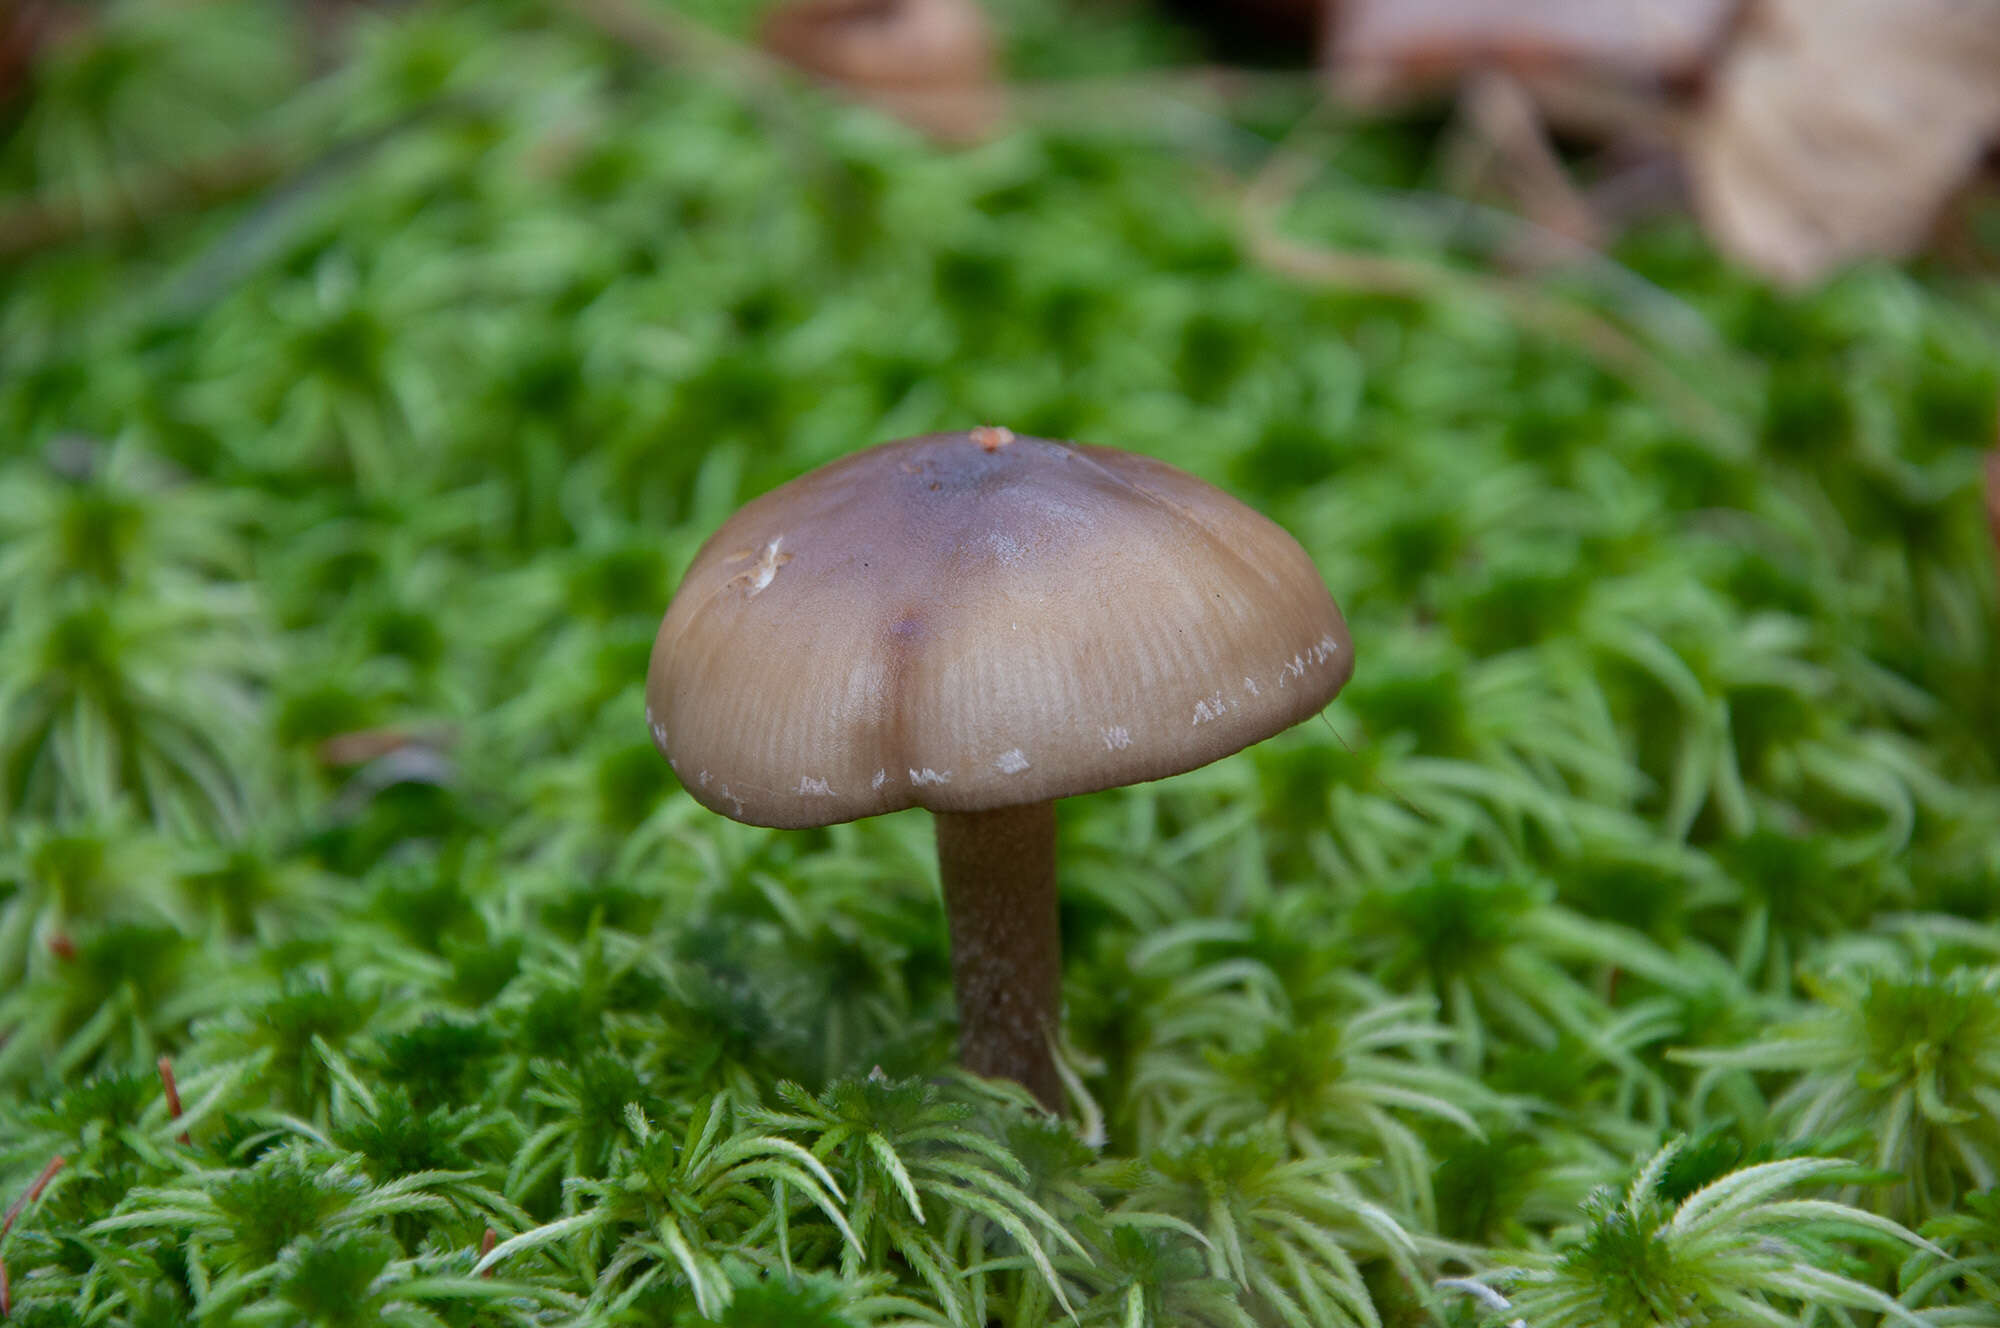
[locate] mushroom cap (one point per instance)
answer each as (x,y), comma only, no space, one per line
(966,621)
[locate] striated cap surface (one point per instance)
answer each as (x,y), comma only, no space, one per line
(966,621)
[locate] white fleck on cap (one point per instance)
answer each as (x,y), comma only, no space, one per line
(967,621)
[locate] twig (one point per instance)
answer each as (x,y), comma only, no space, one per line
(1285,174)
(1455,220)
(1665,317)
(173,1096)
(1993,501)
(234,172)
(674,38)
(249,241)
(43,221)
(33,1193)
(1503,120)
(1598,337)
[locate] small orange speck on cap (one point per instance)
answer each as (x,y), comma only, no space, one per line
(992,437)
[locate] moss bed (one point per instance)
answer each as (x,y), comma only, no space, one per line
(1620,951)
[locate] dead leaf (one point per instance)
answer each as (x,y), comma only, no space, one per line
(1381,48)
(1837,129)
(930,63)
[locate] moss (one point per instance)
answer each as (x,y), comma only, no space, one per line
(1660,805)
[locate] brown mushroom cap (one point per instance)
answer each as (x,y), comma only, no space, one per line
(967,621)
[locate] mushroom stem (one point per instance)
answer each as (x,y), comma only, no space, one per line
(999,872)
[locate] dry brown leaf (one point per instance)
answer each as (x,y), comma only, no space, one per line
(1836,129)
(1385,47)
(931,63)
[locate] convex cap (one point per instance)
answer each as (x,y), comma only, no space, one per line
(968,621)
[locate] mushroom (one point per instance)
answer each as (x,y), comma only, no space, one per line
(979,623)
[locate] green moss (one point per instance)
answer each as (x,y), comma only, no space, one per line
(1661,803)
